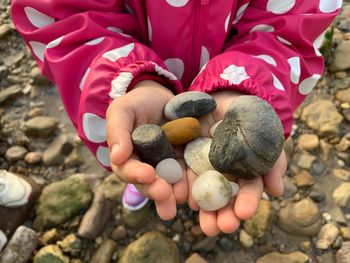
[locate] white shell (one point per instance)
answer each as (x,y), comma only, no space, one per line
(14,191)
(3,240)
(213,128)
(211,191)
(197,155)
(170,170)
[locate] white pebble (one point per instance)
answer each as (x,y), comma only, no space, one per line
(211,191)
(3,240)
(170,170)
(213,128)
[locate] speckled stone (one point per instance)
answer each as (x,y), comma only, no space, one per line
(189,104)
(249,140)
(181,131)
(151,144)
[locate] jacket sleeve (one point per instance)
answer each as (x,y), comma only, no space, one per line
(275,54)
(90,50)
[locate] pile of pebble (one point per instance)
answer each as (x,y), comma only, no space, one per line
(246,143)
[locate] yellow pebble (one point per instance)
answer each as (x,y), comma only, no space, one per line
(181,131)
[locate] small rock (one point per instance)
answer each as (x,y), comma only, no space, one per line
(35,113)
(345,232)
(58,149)
(15,153)
(151,144)
(226,244)
(327,236)
(257,226)
(195,258)
(50,254)
(50,237)
(343,95)
(304,179)
(38,78)
(342,174)
(341,195)
(170,170)
(104,252)
(196,230)
(275,257)
(3,71)
(337,215)
(189,104)
(343,145)
(73,159)
(41,126)
(317,196)
(71,244)
(151,247)
(177,226)
(136,219)
(245,239)
(305,245)
(21,246)
(318,167)
(341,59)
(289,188)
(308,142)
(5,29)
(205,244)
(119,233)
(33,157)
(9,93)
(305,161)
(323,117)
(343,254)
(325,150)
(181,131)
(242,149)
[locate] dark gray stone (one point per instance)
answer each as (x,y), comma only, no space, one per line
(249,140)
(151,144)
(189,104)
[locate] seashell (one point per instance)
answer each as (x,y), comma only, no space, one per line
(196,155)
(14,191)
(212,191)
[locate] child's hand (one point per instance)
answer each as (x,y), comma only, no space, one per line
(245,204)
(143,105)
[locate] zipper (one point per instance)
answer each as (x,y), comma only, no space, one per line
(196,39)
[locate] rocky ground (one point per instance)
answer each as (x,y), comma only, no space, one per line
(310,223)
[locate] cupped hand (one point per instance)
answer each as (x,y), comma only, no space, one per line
(143,105)
(244,205)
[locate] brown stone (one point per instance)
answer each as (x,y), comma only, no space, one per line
(325,150)
(308,142)
(343,145)
(342,174)
(343,95)
(181,131)
(304,179)
(195,258)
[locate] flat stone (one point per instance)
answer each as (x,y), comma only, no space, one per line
(343,254)
(327,235)
(341,195)
(170,170)
(33,157)
(151,144)
(20,247)
(189,104)
(41,126)
(249,140)
(104,252)
(151,247)
(304,179)
(9,93)
(308,142)
(301,218)
(15,153)
(341,174)
(275,257)
(71,245)
(59,148)
(119,233)
(323,117)
(341,59)
(182,131)
(257,226)
(195,258)
(50,253)
(343,95)
(245,239)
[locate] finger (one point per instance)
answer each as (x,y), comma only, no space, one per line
(248,198)
(181,188)
(166,209)
(135,172)
(227,219)
(191,177)
(274,179)
(119,126)
(207,221)
(159,190)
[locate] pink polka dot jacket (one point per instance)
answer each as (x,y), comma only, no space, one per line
(96,50)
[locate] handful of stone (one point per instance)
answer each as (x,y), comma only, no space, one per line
(245,144)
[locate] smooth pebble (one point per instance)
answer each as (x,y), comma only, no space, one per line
(170,170)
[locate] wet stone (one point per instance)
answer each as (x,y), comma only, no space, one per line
(136,219)
(249,140)
(181,131)
(151,144)
(189,104)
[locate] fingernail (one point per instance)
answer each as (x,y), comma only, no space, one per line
(115,149)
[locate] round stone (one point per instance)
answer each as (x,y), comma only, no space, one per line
(211,191)
(181,131)
(170,170)
(15,153)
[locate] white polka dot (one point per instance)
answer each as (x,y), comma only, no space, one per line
(227,21)
(163,72)
(94,127)
(308,84)
(102,155)
(234,74)
(240,13)
(38,49)
(120,84)
(95,41)
(177,3)
(329,6)
(277,83)
(117,30)
(204,57)
(262,28)
(120,52)
(55,43)
(267,59)
(176,66)
(284,41)
(149,27)
(83,80)
(279,6)
(37,18)
(294,63)
(318,43)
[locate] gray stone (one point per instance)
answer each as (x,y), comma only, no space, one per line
(9,93)
(275,257)
(249,140)
(226,244)
(15,153)
(51,254)
(151,144)
(152,247)
(41,126)
(189,104)
(343,254)
(104,252)
(289,188)
(20,247)
(58,149)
